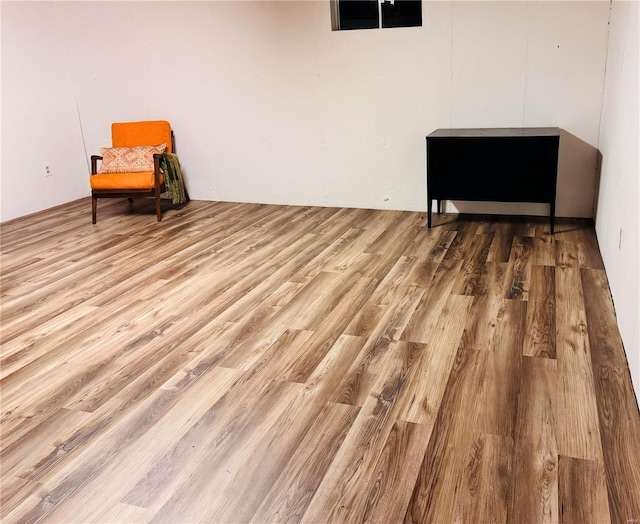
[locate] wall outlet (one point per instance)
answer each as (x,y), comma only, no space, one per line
(47,169)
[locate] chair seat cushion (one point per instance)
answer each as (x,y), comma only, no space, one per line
(136,181)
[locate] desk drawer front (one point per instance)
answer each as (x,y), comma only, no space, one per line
(504,169)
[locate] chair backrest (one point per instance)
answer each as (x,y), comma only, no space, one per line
(149,133)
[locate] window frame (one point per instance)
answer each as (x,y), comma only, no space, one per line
(335,16)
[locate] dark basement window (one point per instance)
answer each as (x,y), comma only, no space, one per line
(373,14)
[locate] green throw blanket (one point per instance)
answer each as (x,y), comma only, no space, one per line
(173,181)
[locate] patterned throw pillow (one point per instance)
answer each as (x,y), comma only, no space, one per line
(129,159)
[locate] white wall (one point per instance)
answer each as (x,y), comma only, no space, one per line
(618,212)
(39,117)
(269,105)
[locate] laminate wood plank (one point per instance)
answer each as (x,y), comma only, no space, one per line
(333,228)
(355,387)
(588,250)
(248,344)
(582,491)
(50,225)
(443,469)
(250,279)
(269,295)
(424,241)
(109,415)
(235,437)
(540,339)
(604,337)
(359,381)
(486,224)
(481,325)
(279,218)
(311,400)
(313,316)
(619,422)
(189,370)
(291,493)
(385,262)
(500,248)
(406,224)
(25,406)
(578,428)
(307,360)
(338,495)
(519,269)
(336,224)
(524,226)
(422,322)
(68,292)
(148,454)
(36,342)
(467,281)
(402,311)
(52,256)
(544,251)
(504,231)
(328,261)
(167,345)
(501,387)
(169,473)
(15,232)
(423,395)
(85,252)
(40,354)
(359,243)
(462,242)
(311,217)
(120,513)
(534,496)
(393,285)
(56,502)
(395,473)
(619,431)
(429,258)
(255,328)
(393,309)
(566,254)
(466,225)
(14,491)
(21,451)
(191,218)
(485,491)
(250,483)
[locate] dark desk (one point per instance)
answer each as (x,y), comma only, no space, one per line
(496,165)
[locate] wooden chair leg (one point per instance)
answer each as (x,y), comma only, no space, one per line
(94,208)
(158,207)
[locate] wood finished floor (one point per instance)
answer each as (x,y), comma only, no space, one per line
(255,363)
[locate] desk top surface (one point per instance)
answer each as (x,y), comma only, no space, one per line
(497,132)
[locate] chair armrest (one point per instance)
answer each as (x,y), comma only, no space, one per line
(94,164)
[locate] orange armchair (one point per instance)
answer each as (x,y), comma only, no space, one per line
(131,182)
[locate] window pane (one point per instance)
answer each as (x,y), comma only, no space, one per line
(358,14)
(402,13)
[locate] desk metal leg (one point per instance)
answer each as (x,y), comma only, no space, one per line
(552,217)
(429,207)
(439,206)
